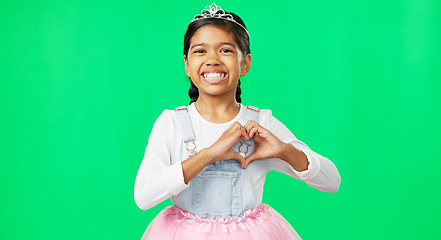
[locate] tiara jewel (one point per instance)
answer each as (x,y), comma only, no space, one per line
(214,11)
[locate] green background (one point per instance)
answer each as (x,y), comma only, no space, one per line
(82,82)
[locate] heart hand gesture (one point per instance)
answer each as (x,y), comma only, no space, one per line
(267,145)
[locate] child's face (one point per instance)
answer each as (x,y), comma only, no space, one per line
(215,62)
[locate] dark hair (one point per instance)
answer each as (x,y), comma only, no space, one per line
(239,34)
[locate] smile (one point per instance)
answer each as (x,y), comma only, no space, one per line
(214,77)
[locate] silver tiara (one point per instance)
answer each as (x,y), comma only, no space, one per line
(214,11)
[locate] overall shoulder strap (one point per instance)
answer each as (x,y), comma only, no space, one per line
(252,113)
(185,124)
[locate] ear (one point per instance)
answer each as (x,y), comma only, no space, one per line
(187,67)
(246,65)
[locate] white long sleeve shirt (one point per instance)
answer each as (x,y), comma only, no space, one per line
(160,175)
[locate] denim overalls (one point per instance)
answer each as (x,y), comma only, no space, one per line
(221,189)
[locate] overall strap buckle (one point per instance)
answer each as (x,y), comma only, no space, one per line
(186,129)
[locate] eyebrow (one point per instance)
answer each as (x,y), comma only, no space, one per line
(203,44)
(197,45)
(227,43)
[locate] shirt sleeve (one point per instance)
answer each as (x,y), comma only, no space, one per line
(157,178)
(321,173)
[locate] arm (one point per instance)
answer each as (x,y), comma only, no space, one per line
(157,177)
(291,156)
(321,173)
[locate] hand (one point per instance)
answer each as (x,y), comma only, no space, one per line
(222,148)
(266,144)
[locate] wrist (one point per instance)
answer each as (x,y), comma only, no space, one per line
(286,152)
(296,158)
(208,155)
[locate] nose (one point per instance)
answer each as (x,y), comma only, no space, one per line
(212,60)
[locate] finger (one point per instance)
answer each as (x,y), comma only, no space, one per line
(236,156)
(236,125)
(251,158)
(257,129)
(244,135)
(241,133)
(250,124)
(253,131)
(235,128)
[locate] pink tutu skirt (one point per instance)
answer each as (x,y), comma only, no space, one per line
(261,223)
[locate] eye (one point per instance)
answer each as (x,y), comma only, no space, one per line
(199,51)
(226,50)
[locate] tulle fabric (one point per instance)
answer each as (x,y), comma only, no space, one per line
(261,223)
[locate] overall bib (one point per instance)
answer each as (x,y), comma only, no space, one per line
(221,189)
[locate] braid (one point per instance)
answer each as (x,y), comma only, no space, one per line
(238,92)
(193,93)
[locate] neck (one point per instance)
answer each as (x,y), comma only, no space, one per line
(217,110)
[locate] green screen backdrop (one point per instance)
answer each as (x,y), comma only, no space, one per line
(82,82)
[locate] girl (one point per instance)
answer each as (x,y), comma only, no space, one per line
(212,156)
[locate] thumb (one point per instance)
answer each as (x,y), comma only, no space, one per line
(251,158)
(236,156)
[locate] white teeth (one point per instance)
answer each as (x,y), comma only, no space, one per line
(212,75)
